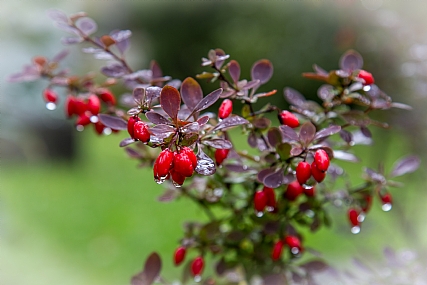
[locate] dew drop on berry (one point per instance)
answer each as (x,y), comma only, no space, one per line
(94,119)
(367,88)
(157,180)
(259,214)
(295,250)
(176,184)
(386,207)
(361,217)
(269,208)
(197,278)
(50,106)
(80,128)
(355,230)
(107,131)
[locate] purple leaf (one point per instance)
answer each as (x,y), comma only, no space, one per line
(103,55)
(273,279)
(203,120)
(342,155)
(351,60)
(168,196)
(29,73)
(207,101)
(250,84)
(170,100)
(400,106)
(315,266)
(151,271)
(122,39)
(261,123)
(234,70)
(87,25)
(356,118)
(296,150)
(152,92)
(114,70)
(293,97)
(162,131)
(218,143)
(275,179)
(132,153)
(230,122)
(252,140)
(346,136)
(71,40)
(366,132)
(156,118)
(326,92)
(327,132)
(205,165)
(155,69)
(126,142)
(58,16)
(61,55)
(262,70)
(139,94)
(289,133)
(113,122)
(319,70)
(274,136)
(264,173)
(405,165)
(307,133)
(191,93)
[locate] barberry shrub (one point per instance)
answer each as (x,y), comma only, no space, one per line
(267,196)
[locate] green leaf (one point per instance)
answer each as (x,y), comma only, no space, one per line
(284,150)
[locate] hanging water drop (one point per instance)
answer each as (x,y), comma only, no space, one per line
(50,106)
(197,278)
(270,208)
(355,230)
(176,184)
(386,207)
(295,250)
(366,88)
(80,128)
(107,131)
(361,217)
(259,214)
(94,119)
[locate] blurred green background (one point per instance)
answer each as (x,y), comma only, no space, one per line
(75,210)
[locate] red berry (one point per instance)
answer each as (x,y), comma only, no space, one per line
(310,191)
(94,104)
(293,190)
(288,119)
(293,242)
(164,163)
(321,159)
(179,255)
(221,155)
(225,109)
(260,201)
(387,199)
(318,175)
(99,127)
(183,165)
(177,178)
(131,123)
(50,96)
(303,172)
(197,266)
(277,250)
(366,76)
(79,106)
(353,217)
(83,120)
(107,96)
(140,131)
(190,155)
(271,196)
(367,203)
(70,106)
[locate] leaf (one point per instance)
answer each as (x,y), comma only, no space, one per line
(356,118)
(401,106)
(274,279)
(275,179)
(342,155)
(366,132)
(218,143)
(126,142)
(274,136)
(239,168)
(132,153)
(167,196)
(327,132)
(230,122)
(293,97)
(289,133)
(122,39)
(307,133)
(205,165)
(150,272)
(191,93)
(351,60)
(87,25)
(346,136)
(71,40)
(264,173)
(315,266)
(319,70)
(61,55)
(326,92)
(284,150)
(114,70)
(170,100)
(57,16)
(251,84)
(203,120)
(262,70)
(103,55)
(156,71)
(234,70)
(152,92)
(207,101)
(162,131)
(156,118)
(405,165)
(261,123)
(113,122)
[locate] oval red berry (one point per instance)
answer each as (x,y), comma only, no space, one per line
(197,266)
(303,172)
(179,255)
(321,159)
(288,119)
(293,190)
(277,250)
(225,109)
(260,201)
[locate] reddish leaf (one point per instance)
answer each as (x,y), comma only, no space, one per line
(351,60)
(234,70)
(356,118)
(307,133)
(170,100)
(150,272)
(191,93)
(294,97)
(274,136)
(207,101)
(218,143)
(405,165)
(326,132)
(231,122)
(262,70)
(156,118)
(155,69)
(326,92)
(126,141)
(275,179)
(203,120)
(289,133)
(346,156)
(114,70)
(113,122)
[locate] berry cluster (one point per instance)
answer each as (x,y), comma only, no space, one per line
(292,242)
(176,165)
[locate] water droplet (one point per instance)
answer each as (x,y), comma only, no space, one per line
(309,213)
(361,217)
(107,131)
(50,106)
(245,167)
(337,203)
(295,250)
(218,192)
(94,119)
(176,184)
(270,209)
(80,128)
(355,230)
(351,143)
(386,207)
(197,278)
(259,214)
(367,88)
(307,187)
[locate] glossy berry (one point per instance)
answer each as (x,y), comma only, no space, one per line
(197,266)
(131,123)
(294,243)
(183,164)
(277,250)
(83,120)
(140,132)
(70,106)
(310,191)
(225,109)
(293,190)
(303,172)
(179,255)
(107,96)
(271,196)
(190,155)
(50,96)
(79,106)
(260,201)
(387,199)
(99,128)
(353,217)
(288,119)
(321,159)
(94,104)
(318,175)
(221,155)
(366,76)
(177,178)
(163,163)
